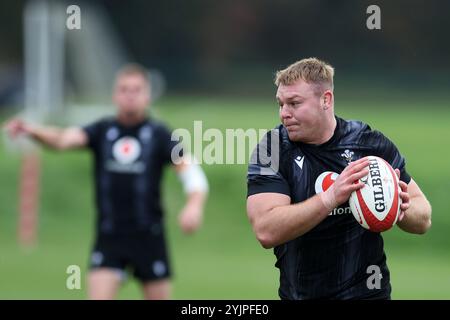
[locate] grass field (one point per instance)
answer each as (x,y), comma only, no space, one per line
(224,261)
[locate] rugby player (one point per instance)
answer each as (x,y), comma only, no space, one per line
(298,203)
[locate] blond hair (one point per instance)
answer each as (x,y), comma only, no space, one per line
(133,69)
(310,70)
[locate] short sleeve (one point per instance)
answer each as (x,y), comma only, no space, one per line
(264,174)
(387,150)
(93,132)
(170,145)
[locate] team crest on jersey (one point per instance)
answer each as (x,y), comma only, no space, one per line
(325,180)
(126,150)
(348,155)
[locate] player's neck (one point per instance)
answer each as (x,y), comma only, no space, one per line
(130,120)
(327,131)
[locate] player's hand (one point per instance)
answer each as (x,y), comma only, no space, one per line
(190,218)
(16,127)
(404,195)
(345,184)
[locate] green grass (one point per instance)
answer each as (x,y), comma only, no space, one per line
(223,260)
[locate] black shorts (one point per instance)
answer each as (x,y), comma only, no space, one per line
(142,254)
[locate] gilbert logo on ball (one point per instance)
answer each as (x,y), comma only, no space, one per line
(376,206)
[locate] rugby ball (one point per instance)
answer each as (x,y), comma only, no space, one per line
(376,206)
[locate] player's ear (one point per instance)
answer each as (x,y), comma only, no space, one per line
(326,100)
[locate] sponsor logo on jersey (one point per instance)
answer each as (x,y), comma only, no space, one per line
(324,181)
(125,152)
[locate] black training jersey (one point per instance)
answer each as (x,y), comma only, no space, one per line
(129,164)
(330,261)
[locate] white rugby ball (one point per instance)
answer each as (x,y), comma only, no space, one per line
(376,206)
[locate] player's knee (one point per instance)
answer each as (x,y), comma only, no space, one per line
(157,290)
(103,284)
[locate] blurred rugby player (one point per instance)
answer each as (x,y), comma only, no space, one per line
(130,151)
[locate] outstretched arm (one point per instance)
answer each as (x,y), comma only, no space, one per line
(52,137)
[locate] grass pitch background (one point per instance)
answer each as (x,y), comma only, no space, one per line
(224,261)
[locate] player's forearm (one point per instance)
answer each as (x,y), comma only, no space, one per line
(196,199)
(418,216)
(48,136)
(284,223)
